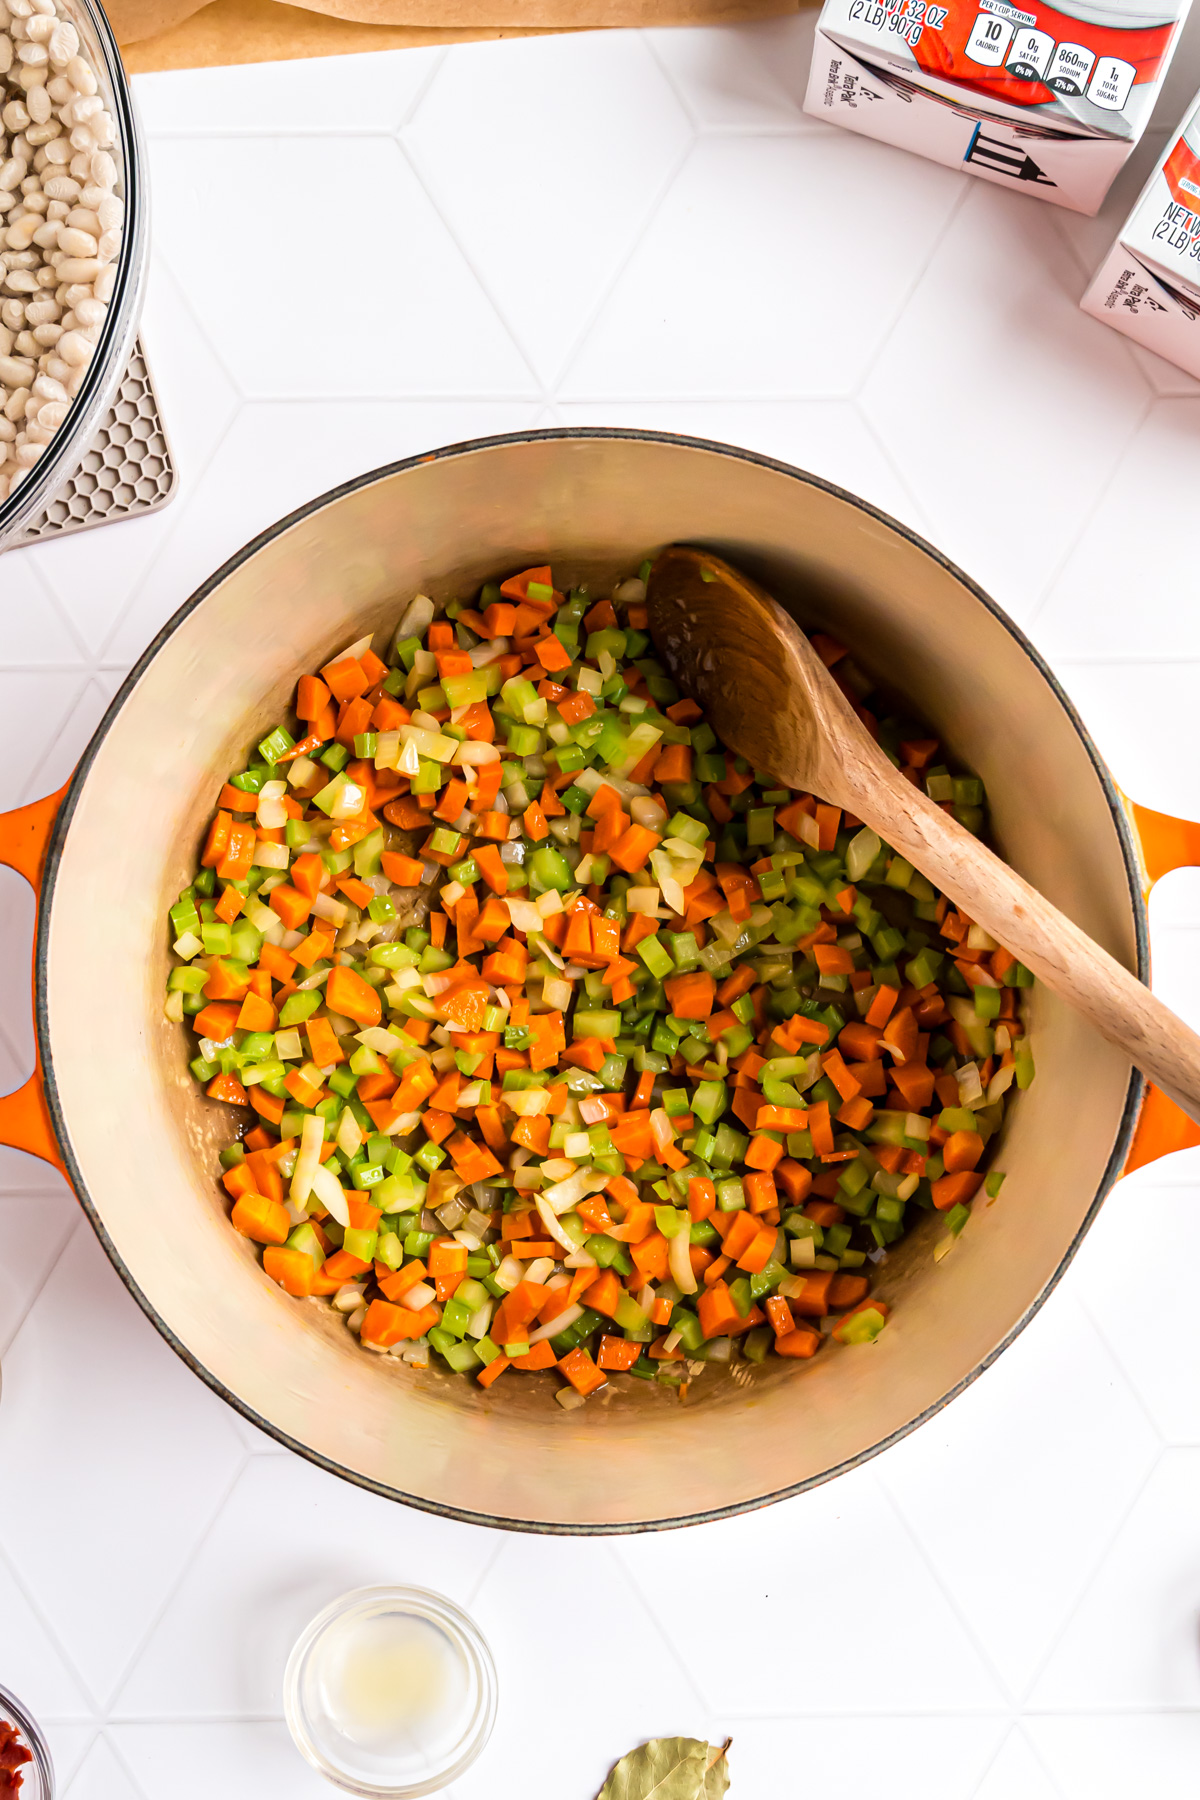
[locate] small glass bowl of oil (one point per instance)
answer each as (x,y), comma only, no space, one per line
(391,1692)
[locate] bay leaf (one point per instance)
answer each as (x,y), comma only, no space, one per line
(716,1780)
(662,1769)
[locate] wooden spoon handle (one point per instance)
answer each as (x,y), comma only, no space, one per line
(1024,921)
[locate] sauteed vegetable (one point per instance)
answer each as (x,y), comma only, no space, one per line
(573,1042)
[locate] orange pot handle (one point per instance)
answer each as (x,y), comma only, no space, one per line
(1163,843)
(24,1116)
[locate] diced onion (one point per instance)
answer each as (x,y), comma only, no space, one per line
(349,801)
(387,749)
(861,852)
(476,754)
(415,619)
(312,1136)
(271,856)
(303,772)
(510,1274)
(1000,1083)
(349,1134)
(642,900)
(550,1220)
(418,1295)
(489,652)
(681,1263)
(326,907)
(560,1322)
(327,1189)
(557,993)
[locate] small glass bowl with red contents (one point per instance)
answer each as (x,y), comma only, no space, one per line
(36,1775)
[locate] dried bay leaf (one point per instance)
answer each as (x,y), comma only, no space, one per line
(716,1780)
(662,1769)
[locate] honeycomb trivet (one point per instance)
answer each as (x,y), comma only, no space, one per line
(126,473)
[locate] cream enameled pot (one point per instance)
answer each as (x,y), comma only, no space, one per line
(114,1104)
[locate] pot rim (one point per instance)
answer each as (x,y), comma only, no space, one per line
(467,447)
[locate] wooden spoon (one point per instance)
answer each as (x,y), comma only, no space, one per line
(769,697)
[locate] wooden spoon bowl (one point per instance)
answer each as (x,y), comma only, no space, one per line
(771,699)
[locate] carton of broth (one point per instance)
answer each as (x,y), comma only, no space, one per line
(1148,286)
(1045,100)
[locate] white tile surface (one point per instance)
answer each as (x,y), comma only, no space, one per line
(640,229)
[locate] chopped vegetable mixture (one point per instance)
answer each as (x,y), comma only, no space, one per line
(568,1040)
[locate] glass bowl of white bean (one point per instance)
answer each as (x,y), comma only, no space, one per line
(73,243)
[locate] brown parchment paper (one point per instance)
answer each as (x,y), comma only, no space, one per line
(187,34)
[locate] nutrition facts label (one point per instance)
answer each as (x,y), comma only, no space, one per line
(1031,55)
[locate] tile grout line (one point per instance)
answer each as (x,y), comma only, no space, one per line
(1097,1563)
(111,1714)
(73,1225)
(667,1638)
(951,219)
(151,568)
(413,164)
(51,1631)
(436,66)
(592,319)
(952,1602)
(1057,570)
(86,676)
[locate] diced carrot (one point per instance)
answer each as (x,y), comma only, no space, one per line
(256,1014)
(345,679)
(633,847)
(292,1269)
(581,1371)
(323,1045)
(292,906)
(692,995)
(312,697)
(217,1020)
(264,1220)
(617,1354)
(347,992)
(800,1342)
(962,1151)
(956,1190)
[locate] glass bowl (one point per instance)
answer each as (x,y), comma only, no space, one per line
(70,442)
(391,1692)
(38,1775)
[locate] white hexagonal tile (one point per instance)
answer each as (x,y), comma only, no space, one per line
(1006,408)
(1141,715)
(1160,1359)
(33,1230)
(829,438)
(566,1623)
(240,1759)
(133,1457)
(275,456)
(805,1571)
(356,288)
(35,633)
(546,232)
(1016,1774)
(775,266)
(93,573)
(1110,1756)
(34,1666)
(103,1776)
(68,1746)
(36,710)
(372,91)
(1132,1641)
(934,1758)
(220,1647)
(748,77)
(1092,604)
(1053,1416)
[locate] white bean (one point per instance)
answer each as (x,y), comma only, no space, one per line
(61,226)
